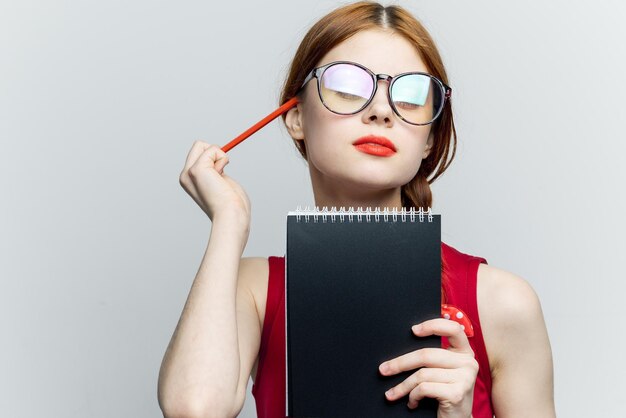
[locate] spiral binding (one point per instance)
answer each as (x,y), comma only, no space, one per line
(360,215)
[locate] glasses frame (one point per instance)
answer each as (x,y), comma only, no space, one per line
(318,72)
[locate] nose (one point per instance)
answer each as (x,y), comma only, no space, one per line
(379,109)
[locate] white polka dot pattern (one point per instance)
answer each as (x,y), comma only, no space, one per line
(453,313)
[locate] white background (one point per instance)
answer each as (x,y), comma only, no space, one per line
(101,101)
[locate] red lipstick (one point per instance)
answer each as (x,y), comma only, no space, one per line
(375,145)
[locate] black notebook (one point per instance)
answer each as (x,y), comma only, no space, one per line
(356,281)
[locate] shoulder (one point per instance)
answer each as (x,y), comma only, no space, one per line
(252,282)
(253,273)
(252,268)
(510,313)
(506,292)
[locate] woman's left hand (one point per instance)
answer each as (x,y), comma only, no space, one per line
(447,375)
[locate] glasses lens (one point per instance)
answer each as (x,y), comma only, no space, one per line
(418,98)
(345,88)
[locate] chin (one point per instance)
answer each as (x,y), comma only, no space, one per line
(369,182)
(361,176)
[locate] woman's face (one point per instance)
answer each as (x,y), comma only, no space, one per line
(333,159)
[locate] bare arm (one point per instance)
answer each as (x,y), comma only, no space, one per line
(517,343)
(207,363)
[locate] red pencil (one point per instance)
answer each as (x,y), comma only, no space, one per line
(282,109)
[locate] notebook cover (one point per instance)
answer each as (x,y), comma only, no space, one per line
(354,289)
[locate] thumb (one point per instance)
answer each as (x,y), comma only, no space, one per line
(220,164)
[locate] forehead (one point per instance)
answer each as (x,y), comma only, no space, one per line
(379,50)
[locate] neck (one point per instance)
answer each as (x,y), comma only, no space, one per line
(334,193)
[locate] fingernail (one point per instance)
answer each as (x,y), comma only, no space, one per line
(417,328)
(384,368)
(389,393)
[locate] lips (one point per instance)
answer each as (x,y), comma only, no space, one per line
(376,145)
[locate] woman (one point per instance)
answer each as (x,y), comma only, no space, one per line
(367,145)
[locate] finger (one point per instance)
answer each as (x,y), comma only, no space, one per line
(211,158)
(443,392)
(426,357)
(456,314)
(444,328)
(196,150)
(199,152)
(424,374)
(220,164)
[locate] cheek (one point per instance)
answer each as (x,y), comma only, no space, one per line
(412,158)
(323,146)
(420,141)
(320,130)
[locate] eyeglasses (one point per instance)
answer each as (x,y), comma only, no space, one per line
(346,88)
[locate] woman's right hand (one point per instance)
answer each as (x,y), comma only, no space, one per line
(218,195)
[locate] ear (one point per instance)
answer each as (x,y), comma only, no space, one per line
(429,144)
(293,122)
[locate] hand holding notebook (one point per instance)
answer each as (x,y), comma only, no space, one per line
(447,374)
